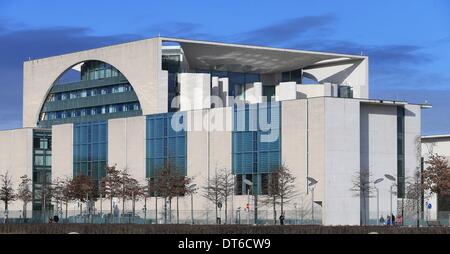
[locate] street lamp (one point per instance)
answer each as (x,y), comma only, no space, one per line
(391,178)
(312,184)
(250,183)
(192,189)
(296,214)
(379,180)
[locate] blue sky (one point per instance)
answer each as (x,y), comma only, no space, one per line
(408,42)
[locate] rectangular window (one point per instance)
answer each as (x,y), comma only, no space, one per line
(164,144)
(401,152)
(90,149)
(256,152)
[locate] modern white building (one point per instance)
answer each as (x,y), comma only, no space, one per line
(116,106)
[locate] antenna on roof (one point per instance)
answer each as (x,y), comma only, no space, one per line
(362,53)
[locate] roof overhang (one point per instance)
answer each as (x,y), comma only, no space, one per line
(204,55)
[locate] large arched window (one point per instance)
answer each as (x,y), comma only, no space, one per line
(89,91)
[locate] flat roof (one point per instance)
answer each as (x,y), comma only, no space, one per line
(438,136)
(207,55)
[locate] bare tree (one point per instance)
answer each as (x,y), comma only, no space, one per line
(131,190)
(362,186)
(226,181)
(286,185)
(82,188)
(212,191)
(273,194)
(25,194)
(7,193)
(181,189)
(166,184)
(62,193)
(414,194)
(191,190)
(110,185)
(437,175)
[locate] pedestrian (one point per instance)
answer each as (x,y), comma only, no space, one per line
(282,219)
(393,219)
(382,221)
(388,221)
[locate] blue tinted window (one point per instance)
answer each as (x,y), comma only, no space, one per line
(164,144)
(252,154)
(90,149)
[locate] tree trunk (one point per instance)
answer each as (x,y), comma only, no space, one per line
(134,207)
(67,204)
(178,212)
(226,210)
(165,210)
(123,206)
(81,209)
(24,213)
(274,210)
(156,209)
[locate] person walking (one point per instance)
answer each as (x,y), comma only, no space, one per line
(282,219)
(393,219)
(388,221)
(382,221)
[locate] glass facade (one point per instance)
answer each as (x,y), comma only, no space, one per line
(401,152)
(94,70)
(237,81)
(103,93)
(90,92)
(172,64)
(165,144)
(42,167)
(253,157)
(90,149)
(92,111)
(290,76)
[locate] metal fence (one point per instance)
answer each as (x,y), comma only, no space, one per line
(198,217)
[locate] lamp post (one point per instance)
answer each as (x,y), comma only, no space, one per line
(312,184)
(250,183)
(391,178)
(192,190)
(378,198)
(296,214)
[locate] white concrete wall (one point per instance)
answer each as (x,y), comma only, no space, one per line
(379,151)
(351,73)
(62,151)
(127,145)
(195,91)
(139,61)
(316,145)
(294,151)
(16,158)
(317,90)
(342,132)
(286,91)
